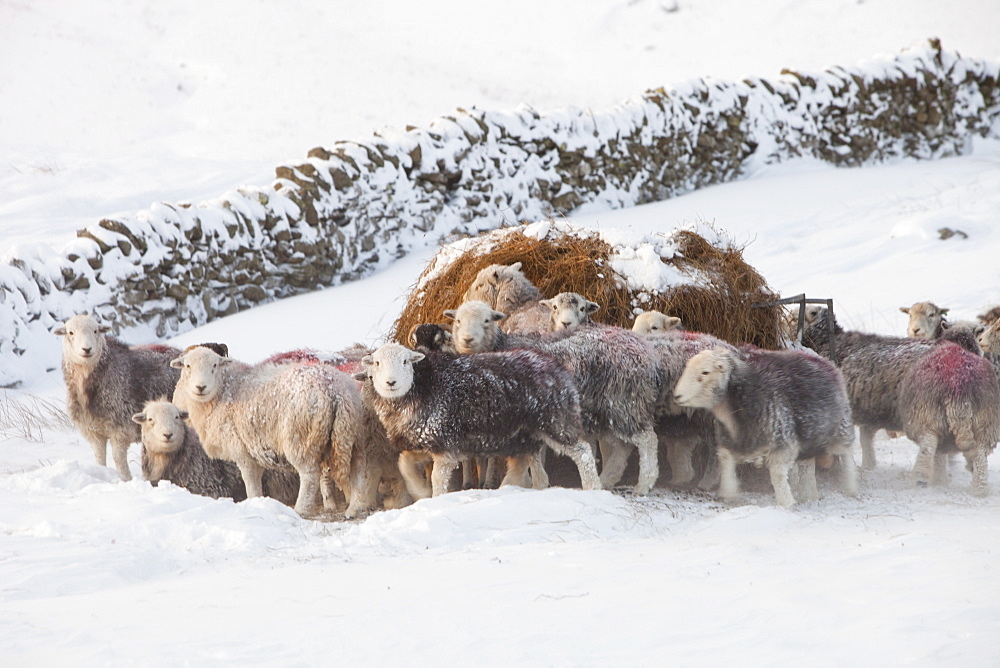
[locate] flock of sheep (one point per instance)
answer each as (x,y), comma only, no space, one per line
(516,375)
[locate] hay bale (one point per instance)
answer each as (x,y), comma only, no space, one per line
(705,283)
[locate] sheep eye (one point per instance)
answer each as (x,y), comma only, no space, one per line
(654,328)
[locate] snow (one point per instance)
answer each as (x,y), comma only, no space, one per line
(117,104)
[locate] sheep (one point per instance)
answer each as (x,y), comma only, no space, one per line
(927,320)
(171,451)
(273,416)
(569,310)
(617,380)
(990,317)
(873,367)
(655,322)
(431,337)
(498,404)
(950,402)
(778,406)
(508,290)
(107,381)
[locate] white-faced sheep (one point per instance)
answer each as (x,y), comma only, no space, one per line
(873,367)
(655,322)
(171,451)
(506,289)
(950,402)
(927,320)
(569,310)
(273,416)
(507,404)
(778,406)
(612,368)
(107,382)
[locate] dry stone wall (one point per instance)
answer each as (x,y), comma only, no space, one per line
(357,206)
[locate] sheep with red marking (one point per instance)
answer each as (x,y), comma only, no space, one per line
(950,402)
(506,404)
(775,406)
(612,368)
(301,417)
(107,381)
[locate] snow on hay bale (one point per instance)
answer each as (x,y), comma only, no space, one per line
(694,274)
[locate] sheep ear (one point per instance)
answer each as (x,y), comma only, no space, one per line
(361,375)
(367,360)
(944,311)
(673,321)
(416,356)
(905,309)
(516,266)
(547,302)
(139,418)
(61,331)
(450,314)
(103,329)
(498,315)
(183,415)
(593,307)
(177,363)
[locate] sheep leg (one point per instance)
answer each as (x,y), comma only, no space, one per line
(940,468)
(679,457)
(119,452)
(778,464)
(923,469)
(470,479)
(517,470)
(253,478)
(492,473)
(848,474)
(649,469)
(807,480)
(710,478)
(536,467)
(445,464)
(99,443)
(309,499)
(867,438)
(365,479)
(411,466)
(729,484)
(614,456)
(976,457)
(583,456)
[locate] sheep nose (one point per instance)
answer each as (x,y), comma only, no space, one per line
(467,340)
(390,383)
(565,324)
(86,351)
(200,388)
(168,436)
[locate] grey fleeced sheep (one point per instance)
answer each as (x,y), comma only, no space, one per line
(655,322)
(927,320)
(873,367)
(950,402)
(107,382)
(171,451)
(506,289)
(507,404)
(990,317)
(612,368)
(273,416)
(569,310)
(775,406)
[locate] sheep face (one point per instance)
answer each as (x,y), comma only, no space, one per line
(201,373)
(83,340)
(163,431)
(432,337)
(391,369)
(989,340)
(705,379)
(473,324)
(925,320)
(569,310)
(484,287)
(654,322)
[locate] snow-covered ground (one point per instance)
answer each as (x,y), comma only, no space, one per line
(109,105)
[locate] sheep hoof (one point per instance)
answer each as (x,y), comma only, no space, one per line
(921,483)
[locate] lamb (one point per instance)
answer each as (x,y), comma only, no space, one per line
(273,416)
(506,289)
(171,451)
(612,369)
(950,402)
(107,382)
(655,322)
(778,406)
(873,367)
(569,310)
(496,404)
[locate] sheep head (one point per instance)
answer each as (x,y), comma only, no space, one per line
(926,320)
(989,340)
(654,322)
(163,431)
(705,379)
(82,339)
(473,324)
(569,310)
(201,373)
(391,369)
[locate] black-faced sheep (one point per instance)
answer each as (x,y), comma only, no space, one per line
(273,416)
(873,367)
(779,407)
(171,451)
(612,368)
(507,404)
(431,337)
(506,289)
(107,382)
(950,402)
(655,322)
